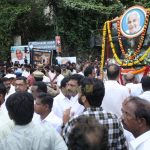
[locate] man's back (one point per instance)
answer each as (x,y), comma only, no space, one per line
(114,96)
(33,137)
(116,139)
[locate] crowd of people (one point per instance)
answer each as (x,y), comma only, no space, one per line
(68,106)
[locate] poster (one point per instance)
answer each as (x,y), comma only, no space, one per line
(41,56)
(20,54)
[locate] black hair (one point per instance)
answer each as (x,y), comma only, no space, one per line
(41,86)
(76,77)
(113,71)
(145,83)
(87,134)
(88,71)
(93,89)
(24,79)
(20,106)
(58,69)
(3,89)
(64,82)
(4,79)
(46,99)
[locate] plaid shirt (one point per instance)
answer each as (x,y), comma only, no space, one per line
(116,138)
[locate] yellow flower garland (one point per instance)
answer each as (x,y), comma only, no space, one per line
(115,54)
(103,50)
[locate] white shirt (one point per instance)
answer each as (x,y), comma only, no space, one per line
(115,94)
(135,89)
(6,125)
(50,120)
(61,103)
(81,73)
(145,95)
(25,73)
(46,79)
(21,61)
(141,143)
(59,79)
(33,137)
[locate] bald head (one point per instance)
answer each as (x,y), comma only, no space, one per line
(129,77)
(113,71)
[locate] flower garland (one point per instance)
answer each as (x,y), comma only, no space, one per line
(122,63)
(141,39)
(103,50)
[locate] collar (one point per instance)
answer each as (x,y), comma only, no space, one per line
(93,109)
(139,140)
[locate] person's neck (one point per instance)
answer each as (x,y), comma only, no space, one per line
(44,115)
(142,131)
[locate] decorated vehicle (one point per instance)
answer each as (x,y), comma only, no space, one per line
(126,41)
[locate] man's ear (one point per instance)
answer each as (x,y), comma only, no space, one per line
(141,122)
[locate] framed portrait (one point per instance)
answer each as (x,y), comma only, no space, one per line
(132,21)
(20,54)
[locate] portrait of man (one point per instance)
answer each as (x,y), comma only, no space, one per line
(133,22)
(19,56)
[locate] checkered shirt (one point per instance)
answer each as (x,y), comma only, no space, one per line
(116,138)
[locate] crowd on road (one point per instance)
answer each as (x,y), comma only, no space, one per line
(68,106)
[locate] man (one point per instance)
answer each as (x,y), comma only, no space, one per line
(20,108)
(10,89)
(131,83)
(37,88)
(6,125)
(146,88)
(136,119)
(114,92)
(133,22)
(26,71)
(43,106)
(19,57)
(91,96)
(64,71)
(21,84)
(89,72)
(58,76)
(68,99)
(87,134)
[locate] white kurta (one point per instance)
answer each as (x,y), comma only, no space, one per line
(61,103)
(115,94)
(141,143)
(33,137)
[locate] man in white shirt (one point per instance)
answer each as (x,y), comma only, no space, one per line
(10,89)
(115,93)
(135,88)
(26,72)
(68,97)
(6,125)
(43,105)
(146,88)
(59,76)
(20,106)
(136,119)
